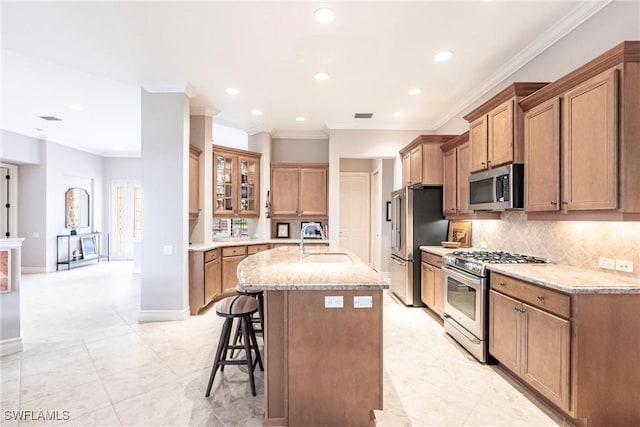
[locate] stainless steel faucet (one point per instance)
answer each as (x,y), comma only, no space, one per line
(310,225)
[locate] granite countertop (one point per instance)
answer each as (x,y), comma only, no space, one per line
(242,241)
(572,280)
(280,270)
(439,250)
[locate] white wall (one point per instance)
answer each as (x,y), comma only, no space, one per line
(262,143)
(229,137)
(19,149)
(300,150)
(387,187)
(617,22)
(200,128)
(362,144)
(165,182)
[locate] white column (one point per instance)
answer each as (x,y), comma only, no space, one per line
(261,143)
(201,127)
(164,290)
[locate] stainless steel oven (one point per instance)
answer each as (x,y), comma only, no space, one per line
(465,310)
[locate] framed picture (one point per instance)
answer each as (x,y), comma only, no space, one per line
(282,230)
(88,247)
(312,233)
(388,211)
(460,231)
(5,270)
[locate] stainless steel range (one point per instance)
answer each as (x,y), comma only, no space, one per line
(466,295)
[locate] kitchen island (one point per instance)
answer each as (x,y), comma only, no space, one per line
(323,341)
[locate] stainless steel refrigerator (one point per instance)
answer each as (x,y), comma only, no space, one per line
(416,220)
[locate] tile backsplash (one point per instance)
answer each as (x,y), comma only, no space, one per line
(575,243)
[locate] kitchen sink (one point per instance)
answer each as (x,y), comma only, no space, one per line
(327,258)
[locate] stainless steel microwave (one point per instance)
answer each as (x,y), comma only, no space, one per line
(497,189)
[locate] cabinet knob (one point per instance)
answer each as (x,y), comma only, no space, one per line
(482,163)
(540,297)
(501,283)
(564,202)
(554,203)
(515,309)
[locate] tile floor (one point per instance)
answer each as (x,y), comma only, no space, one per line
(86,353)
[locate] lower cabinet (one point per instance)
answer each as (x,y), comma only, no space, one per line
(212,279)
(533,344)
(432,283)
(204,278)
(231,257)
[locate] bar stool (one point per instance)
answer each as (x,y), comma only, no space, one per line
(258,295)
(241,307)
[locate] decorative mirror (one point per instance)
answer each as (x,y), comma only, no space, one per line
(76,209)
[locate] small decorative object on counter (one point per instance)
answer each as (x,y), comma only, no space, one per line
(267,206)
(282,230)
(460,231)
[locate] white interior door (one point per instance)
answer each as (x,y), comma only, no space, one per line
(355,213)
(376,221)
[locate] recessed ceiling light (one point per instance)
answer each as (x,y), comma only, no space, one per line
(321,76)
(445,55)
(324,15)
(76,107)
(398,114)
(232,91)
(300,119)
(415,91)
(256,112)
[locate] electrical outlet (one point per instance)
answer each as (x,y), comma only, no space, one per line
(623,265)
(483,245)
(363,302)
(333,302)
(607,263)
(167,250)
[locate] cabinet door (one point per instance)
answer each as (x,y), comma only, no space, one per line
(478,141)
(504,321)
(545,355)
(212,282)
(225,196)
(230,272)
(431,164)
(313,192)
(284,191)
(427,281)
(406,169)
(542,157)
(438,290)
(416,165)
(500,124)
(194,183)
(450,182)
(590,142)
(249,177)
(464,169)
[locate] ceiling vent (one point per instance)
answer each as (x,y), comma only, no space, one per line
(51,118)
(362,115)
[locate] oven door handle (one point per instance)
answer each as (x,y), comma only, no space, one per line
(464,277)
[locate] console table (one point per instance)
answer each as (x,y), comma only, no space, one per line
(89,244)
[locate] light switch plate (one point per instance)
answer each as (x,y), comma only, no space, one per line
(363,301)
(607,263)
(336,301)
(167,250)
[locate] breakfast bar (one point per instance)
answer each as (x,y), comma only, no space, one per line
(323,340)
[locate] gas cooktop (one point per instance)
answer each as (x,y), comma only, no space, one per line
(475,261)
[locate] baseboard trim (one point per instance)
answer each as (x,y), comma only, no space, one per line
(10,346)
(162,315)
(33,270)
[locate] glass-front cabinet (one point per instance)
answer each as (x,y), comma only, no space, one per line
(236,183)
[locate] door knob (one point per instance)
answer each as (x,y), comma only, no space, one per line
(554,203)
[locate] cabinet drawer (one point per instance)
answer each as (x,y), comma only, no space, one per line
(210,255)
(432,259)
(537,296)
(234,250)
(254,249)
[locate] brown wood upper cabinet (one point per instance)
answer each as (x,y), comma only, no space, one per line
(422,160)
(299,190)
(495,128)
(236,183)
(194,181)
(581,133)
(456,167)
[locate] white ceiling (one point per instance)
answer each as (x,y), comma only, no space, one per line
(99,54)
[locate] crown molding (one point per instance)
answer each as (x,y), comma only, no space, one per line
(381,126)
(258,129)
(167,87)
(203,111)
(552,35)
(299,134)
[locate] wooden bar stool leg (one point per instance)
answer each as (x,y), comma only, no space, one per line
(246,324)
(254,343)
(222,344)
(236,336)
(225,345)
